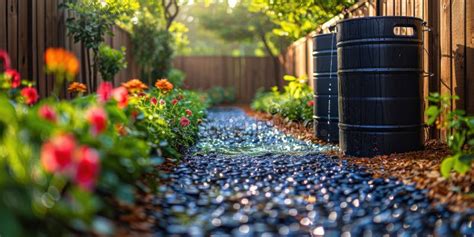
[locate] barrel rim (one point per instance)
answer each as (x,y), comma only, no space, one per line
(379,17)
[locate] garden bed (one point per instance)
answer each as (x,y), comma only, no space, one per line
(420,167)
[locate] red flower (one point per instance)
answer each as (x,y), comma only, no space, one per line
(134,114)
(184,122)
(120,128)
(162,102)
(174,101)
(87,167)
(154,101)
(310,103)
(120,94)
(47,112)
(97,118)
(14,76)
(30,94)
(189,112)
(5,60)
(104,91)
(57,153)
(179,97)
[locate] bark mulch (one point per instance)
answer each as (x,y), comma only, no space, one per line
(419,167)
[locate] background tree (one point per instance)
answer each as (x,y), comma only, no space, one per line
(92,20)
(297,18)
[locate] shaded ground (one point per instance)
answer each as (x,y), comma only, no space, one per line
(246,178)
(420,167)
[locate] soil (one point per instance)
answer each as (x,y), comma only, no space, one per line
(420,167)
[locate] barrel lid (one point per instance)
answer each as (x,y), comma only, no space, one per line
(379,17)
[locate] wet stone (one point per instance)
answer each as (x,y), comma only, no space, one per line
(245,178)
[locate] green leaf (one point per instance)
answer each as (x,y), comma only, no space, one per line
(289,78)
(461,167)
(9,225)
(432,112)
(447,166)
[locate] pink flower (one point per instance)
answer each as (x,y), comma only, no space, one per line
(174,101)
(30,94)
(97,118)
(57,153)
(104,91)
(184,122)
(310,103)
(87,167)
(47,112)
(5,60)
(189,112)
(14,76)
(120,94)
(162,102)
(154,101)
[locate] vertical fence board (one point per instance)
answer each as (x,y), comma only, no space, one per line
(23,47)
(469,89)
(458,47)
(446,52)
(12,27)
(3,24)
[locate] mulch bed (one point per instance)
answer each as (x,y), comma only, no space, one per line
(419,167)
(137,219)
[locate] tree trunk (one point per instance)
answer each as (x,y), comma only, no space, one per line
(276,59)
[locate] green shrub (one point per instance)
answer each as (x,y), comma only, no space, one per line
(460,132)
(294,102)
(219,95)
(153,50)
(176,77)
(110,61)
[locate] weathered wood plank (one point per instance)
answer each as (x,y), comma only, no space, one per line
(12,26)
(3,24)
(23,45)
(446,51)
(469,88)
(458,49)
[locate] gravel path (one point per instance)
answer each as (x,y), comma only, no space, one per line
(245,178)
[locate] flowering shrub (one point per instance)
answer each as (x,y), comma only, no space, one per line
(295,102)
(65,162)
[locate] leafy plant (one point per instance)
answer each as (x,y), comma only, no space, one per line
(92,20)
(176,77)
(219,95)
(153,50)
(110,61)
(460,132)
(295,102)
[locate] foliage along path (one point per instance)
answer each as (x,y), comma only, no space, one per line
(245,178)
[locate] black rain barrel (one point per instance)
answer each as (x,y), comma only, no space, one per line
(325,87)
(380,85)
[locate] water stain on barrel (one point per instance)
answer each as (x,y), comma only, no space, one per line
(325,87)
(380,73)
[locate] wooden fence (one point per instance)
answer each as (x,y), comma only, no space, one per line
(29,27)
(448,46)
(245,74)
